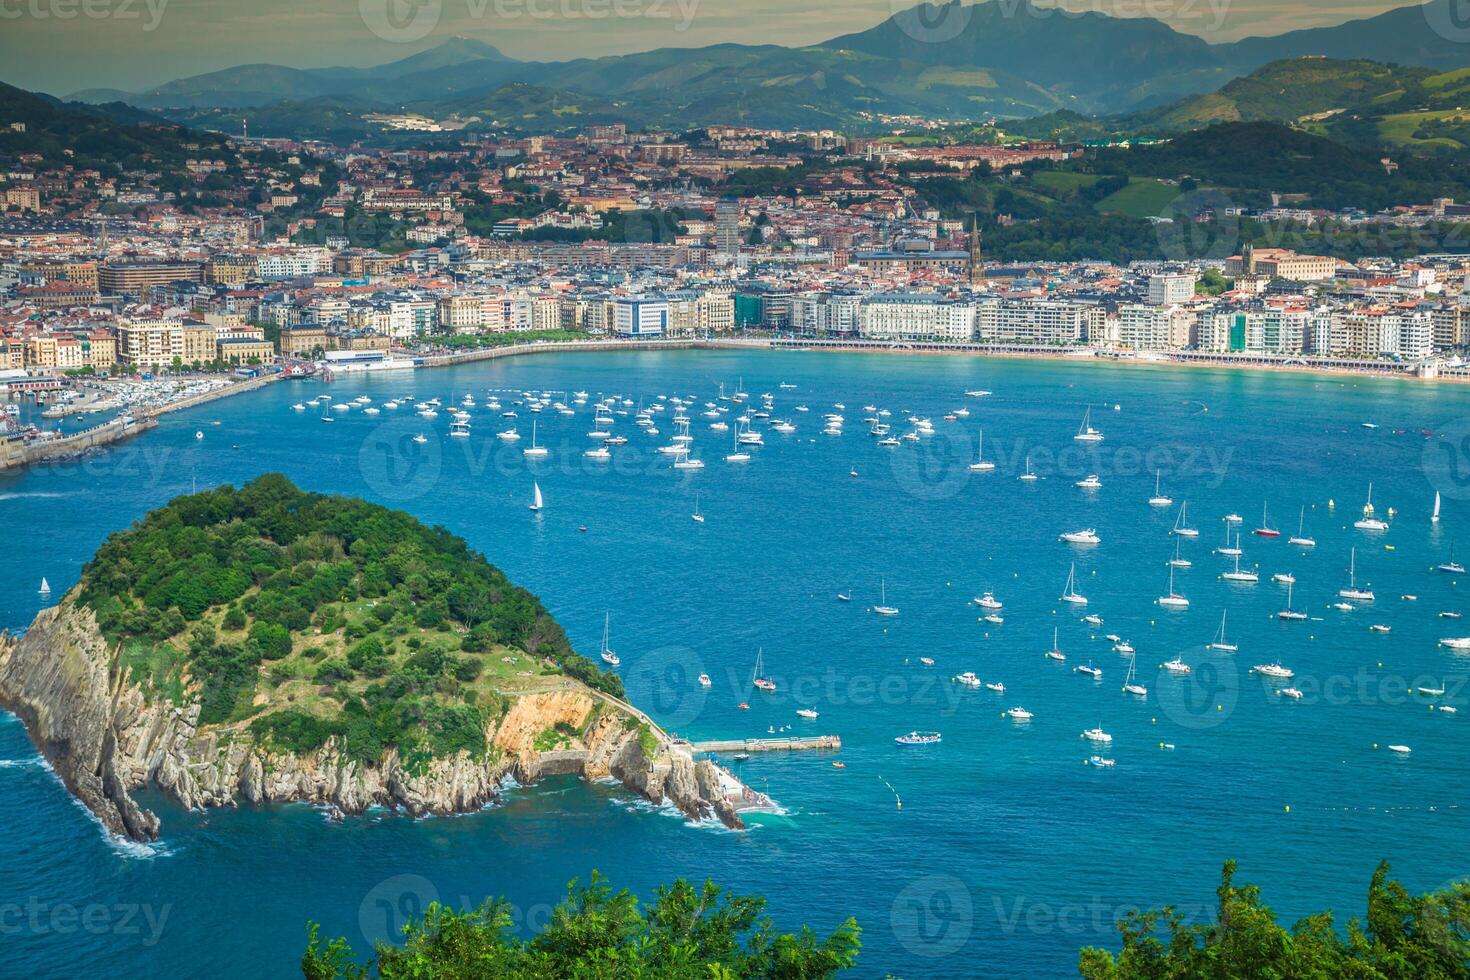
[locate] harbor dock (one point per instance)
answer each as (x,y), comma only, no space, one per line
(795,744)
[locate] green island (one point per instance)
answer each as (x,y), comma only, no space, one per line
(303,617)
(269,645)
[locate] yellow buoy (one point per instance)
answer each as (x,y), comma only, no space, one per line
(1288,808)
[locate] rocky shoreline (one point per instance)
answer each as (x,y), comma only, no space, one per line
(106,738)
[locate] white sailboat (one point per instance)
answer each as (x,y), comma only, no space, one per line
(981,464)
(1229,549)
(697,517)
(1069,592)
(883,608)
(1159,499)
(1452,567)
(536,502)
(1178,561)
(1300,539)
(1085,432)
(534,451)
(1434,518)
(1172,599)
(1181,524)
(1369,521)
(1236,574)
(759,679)
(45,586)
(1219,642)
(1055,653)
(1131,686)
(1027,476)
(1352,591)
(1288,612)
(608,657)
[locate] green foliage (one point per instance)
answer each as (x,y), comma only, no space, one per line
(1404,937)
(688,932)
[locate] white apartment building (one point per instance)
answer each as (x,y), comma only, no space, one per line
(292,263)
(903,316)
(1169,288)
(1030,321)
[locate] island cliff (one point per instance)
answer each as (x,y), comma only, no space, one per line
(111,721)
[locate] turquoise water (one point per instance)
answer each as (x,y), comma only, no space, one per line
(1008,853)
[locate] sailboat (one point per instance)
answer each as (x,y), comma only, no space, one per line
(1288,612)
(534,451)
(1301,540)
(1434,518)
(1055,653)
(45,586)
(1218,643)
(759,679)
(1181,524)
(1069,592)
(883,608)
(1085,432)
(1159,499)
(608,657)
(981,465)
(1178,561)
(1352,591)
(1229,549)
(1369,521)
(1451,566)
(697,517)
(536,502)
(1028,476)
(737,455)
(1236,575)
(1266,530)
(1131,686)
(1171,598)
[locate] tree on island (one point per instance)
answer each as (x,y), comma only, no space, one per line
(1404,937)
(688,932)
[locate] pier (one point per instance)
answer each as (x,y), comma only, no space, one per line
(794,744)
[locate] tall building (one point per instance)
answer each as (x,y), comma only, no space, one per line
(977,271)
(1169,288)
(727,227)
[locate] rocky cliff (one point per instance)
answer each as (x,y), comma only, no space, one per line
(106,737)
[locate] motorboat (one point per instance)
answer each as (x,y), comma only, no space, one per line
(918,738)
(1084,536)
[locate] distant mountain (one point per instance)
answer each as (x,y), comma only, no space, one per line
(948,60)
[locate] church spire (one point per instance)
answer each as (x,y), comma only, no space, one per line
(977,271)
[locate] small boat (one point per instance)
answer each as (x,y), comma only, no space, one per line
(1381,628)
(1028,476)
(1344,606)
(1434,518)
(1102,762)
(1094,672)
(420,438)
(1301,539)
(1447,709)
(1179,561)
(1097,735)
(1266,530)
(1452,567)
(1273,670)
(1130,685)
(1449,615)
(536,502)
(1055,653)
(608,657)
(992,618)
(844,596)
(1159,499)
(45,586)
(968,679)
(1290,692)
(534,451)
(704,681)
(1456,642)
(1288,612)
(882,608)
(697,517)
(988,601)
(1369,521)
(1181,523)
(1089,482)
(741,756)
(1233,518)
(1123,647)
(839,765)
(809,714)
(1400,749)
(1069,592)
(758,678)
(1175,666)
(981,464)
(1092,619)
(1085,432)
(1236,575)
(1231,548)
(1284,578)
(1352,591)
(743,706)
(995,686)
(1020,714)
(927,661)
(508,435)
(1219,643)
(1085,536)
(1172,599)
(918,738)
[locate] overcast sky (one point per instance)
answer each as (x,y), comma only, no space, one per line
(61,46)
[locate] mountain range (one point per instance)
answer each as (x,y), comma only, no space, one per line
(1002,58)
